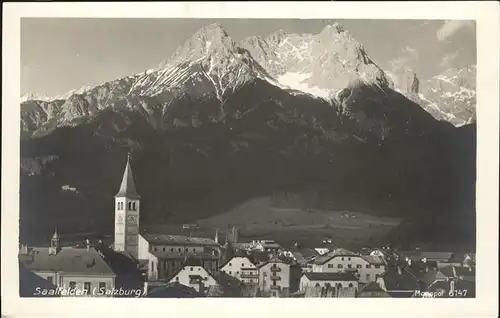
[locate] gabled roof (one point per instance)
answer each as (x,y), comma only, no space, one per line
(68,260)
(173,290)
(444,256)
(339,252)
(374,260)
(183,255)
(127,187)
(406,281)
(179,240)
(237,256)
(372,287)
(340,276)
(191,264)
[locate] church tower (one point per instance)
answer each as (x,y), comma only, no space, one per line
(127,210)
(54,244)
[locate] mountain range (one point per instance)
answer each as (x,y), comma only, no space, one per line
(220,122)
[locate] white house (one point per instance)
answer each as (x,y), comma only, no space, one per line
(366,268)
(194,276)
(337,280)
(242,268)
(274,278)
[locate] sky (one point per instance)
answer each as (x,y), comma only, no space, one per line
(61,54)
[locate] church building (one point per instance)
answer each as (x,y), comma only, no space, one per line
(163,255)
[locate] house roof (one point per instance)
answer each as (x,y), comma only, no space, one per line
(432,276)
(232,258)
(178,240)
(189,255)
(173,290)
(68,260)
(374,260)
(394,281)
(191,264)
(444,256)
(372,287)
(314,276)
(465,271)
(269,244)
(127,187)
(339,252)
(308,252)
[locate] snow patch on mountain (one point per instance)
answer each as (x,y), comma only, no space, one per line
(294,80)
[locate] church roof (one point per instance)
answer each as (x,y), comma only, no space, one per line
(127,187)
(179,240)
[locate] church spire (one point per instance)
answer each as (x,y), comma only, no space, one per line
(127,187)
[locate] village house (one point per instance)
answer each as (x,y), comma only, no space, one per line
(274,278)
(242,268)
(268,246)
(337,280)
(366,268)
(75,271)
(194,276)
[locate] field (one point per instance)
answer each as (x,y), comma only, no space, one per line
(260,219)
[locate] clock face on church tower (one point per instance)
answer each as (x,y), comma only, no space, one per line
(132,219)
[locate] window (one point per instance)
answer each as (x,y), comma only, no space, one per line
(342,258)
(133,206)
(130,205)
(242,265)
(172,249)
(191,269)
(377,266)
(368,266)
(348,258)
(367,276)
(340,266)
(349,266)
(50,278)
(265,274)
(358,266)
(86,286)
(187,250)
(237,273)
(164,249)
(229,263)
(351,285)
(72,285)
(229,272)
(317,285)
(102,286)
(330,265)
(179,249)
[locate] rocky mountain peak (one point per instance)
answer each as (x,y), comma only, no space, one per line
(332,29)
(211,40)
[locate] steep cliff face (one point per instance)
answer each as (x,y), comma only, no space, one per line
(451,95)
